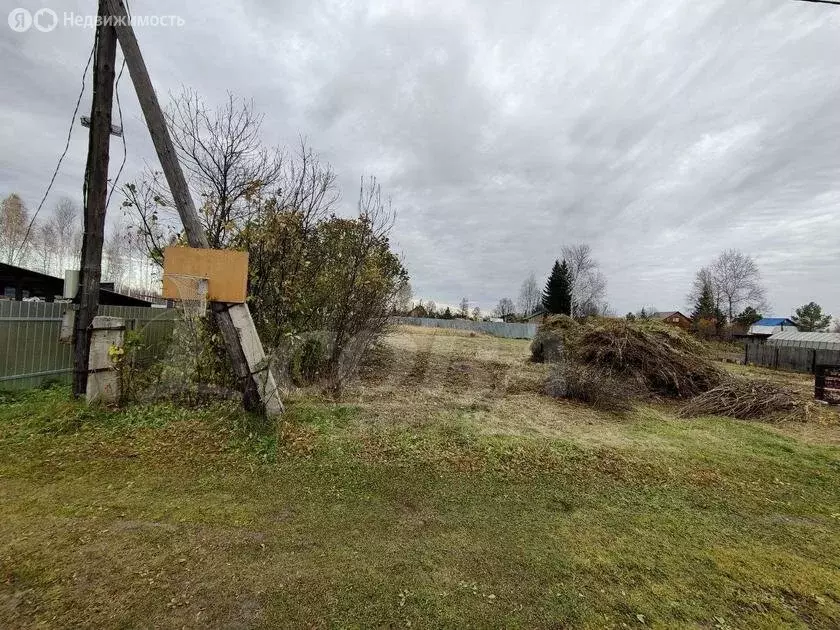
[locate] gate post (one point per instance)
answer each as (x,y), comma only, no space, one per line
(103,383)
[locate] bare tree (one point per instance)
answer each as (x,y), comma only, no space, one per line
(66,223)
(647,312)
(151,215)
(116,256)
(505,309)
(464,308)
(431,308)
(589,285)
(225,159)
(530,296)
(46,247)
(402,300)
(476,313)
(226,166)
(14,226)
(836,326)
(607,310)
(738,281)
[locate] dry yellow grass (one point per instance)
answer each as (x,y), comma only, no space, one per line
(433,372)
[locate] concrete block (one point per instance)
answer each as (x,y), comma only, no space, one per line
(103,379)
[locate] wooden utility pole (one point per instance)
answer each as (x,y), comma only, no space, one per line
(234,320)
(96,200)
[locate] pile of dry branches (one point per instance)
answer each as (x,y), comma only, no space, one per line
(650,356)
(747,399)
(591,386)
(609,363)
(554,335)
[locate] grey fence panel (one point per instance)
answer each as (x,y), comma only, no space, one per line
(31,354)
(497,329)
(790,358)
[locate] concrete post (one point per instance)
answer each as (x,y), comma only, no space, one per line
(103,383)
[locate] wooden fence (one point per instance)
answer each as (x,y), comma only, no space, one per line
(789,358)
(31,354)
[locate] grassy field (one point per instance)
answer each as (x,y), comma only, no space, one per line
(445,490)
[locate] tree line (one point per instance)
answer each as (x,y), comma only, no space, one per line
(52,244)
(575,287)
(728,297)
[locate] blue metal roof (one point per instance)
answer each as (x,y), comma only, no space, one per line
(774,321)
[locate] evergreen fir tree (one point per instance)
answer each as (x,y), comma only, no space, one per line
(705,308)
(810,318)
(748,317)
(708,319)
(557,296)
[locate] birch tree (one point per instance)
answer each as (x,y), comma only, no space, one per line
(530,295)
(14,229)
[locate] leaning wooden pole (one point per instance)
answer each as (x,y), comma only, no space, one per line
(234,320)
(96,199)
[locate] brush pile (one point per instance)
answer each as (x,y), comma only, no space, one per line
(591,386)
(747,399)
(553,336)
(611,363)
(651,356)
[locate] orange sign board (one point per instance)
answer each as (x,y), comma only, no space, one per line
(226,272)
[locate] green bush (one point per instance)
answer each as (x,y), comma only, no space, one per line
(307,361)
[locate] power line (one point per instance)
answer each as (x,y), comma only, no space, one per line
(125,148)
(64,153)
(835,2)
(122,126)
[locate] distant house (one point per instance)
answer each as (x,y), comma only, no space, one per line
(772,325)
(18,283)
(674,318)
(417,311)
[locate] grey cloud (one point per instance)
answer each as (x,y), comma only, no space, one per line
(659,131)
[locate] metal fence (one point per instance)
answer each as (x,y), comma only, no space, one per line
(795,359)
(31,354)
(497,329)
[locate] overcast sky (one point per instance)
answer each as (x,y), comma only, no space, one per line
(659,131)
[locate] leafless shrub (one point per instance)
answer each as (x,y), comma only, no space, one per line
(597,388)
(747,399)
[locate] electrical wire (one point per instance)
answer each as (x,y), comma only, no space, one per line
(122,126)
(64,153)
(125,148)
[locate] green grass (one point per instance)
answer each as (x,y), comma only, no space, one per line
(159,516)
